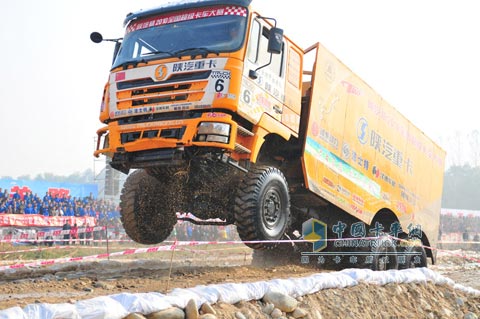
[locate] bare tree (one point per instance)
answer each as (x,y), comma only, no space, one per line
(474,142)
(455,149)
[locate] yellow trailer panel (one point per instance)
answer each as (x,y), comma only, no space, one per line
(362,155)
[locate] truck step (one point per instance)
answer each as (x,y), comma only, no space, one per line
(241,149)
(243,131)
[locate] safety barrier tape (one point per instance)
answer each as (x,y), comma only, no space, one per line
(463,256)
(43,236)
(56,247)
(194,243)
(176,245)
(120,253)
(25,236)
(91,257)
(41,248)
(46,241)
(452,253)
(458,242)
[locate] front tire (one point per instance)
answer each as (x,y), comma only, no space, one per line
(145,211)
(262,207)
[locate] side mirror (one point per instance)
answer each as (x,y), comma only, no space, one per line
(96,37)
(275,41)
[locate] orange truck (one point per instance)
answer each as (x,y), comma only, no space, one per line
(212,110)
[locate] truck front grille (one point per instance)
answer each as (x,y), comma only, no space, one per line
(159,100)
(178,88)
(155,117)
(176,133)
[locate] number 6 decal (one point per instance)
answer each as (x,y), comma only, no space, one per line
(219,82)
(246,96)
(219,85)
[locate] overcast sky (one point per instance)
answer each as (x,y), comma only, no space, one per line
(422,56)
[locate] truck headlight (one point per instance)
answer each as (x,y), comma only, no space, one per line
(213,132)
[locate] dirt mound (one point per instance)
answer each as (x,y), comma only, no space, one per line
(69,283)
(371,301)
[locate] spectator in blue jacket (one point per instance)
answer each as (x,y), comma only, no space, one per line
(45,211)
(69,211)
(29,210)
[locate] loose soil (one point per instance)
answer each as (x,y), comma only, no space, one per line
(71,282)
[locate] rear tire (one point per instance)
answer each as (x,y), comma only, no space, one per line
(145,211)
(415,255)
(262,207)
(384,254)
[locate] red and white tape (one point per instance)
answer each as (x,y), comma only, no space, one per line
(176,245)
(106,255)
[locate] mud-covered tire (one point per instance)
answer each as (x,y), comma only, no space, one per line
(145,213)
(262,207)
(384,254)
(415,255)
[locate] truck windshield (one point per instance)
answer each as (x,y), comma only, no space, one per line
(191,37)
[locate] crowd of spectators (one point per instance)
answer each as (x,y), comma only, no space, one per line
(459,224)
(56,205)
(460,231)
(106,212)
(468,226)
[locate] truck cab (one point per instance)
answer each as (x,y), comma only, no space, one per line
(204,77)
(201,96)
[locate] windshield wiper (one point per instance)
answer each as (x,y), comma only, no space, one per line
(133,63)
(159,52)
(194,51)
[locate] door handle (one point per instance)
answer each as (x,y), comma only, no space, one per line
(277,109)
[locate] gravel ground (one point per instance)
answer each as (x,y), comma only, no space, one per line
(84,280)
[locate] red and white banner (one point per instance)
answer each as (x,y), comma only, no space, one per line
(193,14)
(460,213)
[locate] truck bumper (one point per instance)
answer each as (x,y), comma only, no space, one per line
(154,143)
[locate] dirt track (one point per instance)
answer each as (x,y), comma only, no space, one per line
(85,280)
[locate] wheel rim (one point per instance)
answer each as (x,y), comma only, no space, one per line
(387,258)
(419,259)
(383,260)
(262,207)
(271,211)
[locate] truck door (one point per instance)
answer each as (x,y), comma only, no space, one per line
(266,94)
